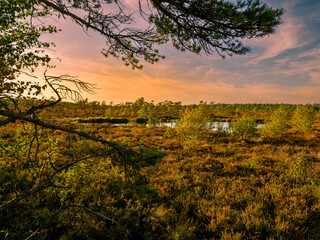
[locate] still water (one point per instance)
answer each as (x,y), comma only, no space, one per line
(215,126)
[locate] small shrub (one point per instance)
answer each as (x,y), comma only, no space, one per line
(108,113)
(193,122)
(279,122)
(244,127)
(303,118)
(151,122)
(148,112)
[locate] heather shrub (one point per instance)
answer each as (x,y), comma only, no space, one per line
(191,143)
(300,168)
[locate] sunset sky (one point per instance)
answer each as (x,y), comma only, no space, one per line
(282,68)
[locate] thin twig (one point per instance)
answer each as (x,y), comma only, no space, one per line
(92,212)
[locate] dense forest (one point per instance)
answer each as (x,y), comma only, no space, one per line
(185,182)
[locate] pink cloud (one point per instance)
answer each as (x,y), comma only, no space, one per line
(315,77)
(288,36)
(295,66)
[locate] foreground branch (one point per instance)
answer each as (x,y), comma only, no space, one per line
(18,116)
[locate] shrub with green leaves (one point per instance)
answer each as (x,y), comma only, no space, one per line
(303,118)
(148,111)
(193,122)
(278,123)
(244,127)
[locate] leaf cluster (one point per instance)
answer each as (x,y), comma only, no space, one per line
(214,26)
(20,45)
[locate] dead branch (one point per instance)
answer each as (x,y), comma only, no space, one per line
(19,116)
(92,212)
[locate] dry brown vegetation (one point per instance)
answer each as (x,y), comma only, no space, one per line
(212,186)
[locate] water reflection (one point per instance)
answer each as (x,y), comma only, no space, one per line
(215,126)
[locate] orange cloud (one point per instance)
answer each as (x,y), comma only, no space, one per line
(118,83)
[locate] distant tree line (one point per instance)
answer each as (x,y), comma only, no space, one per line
(165,110)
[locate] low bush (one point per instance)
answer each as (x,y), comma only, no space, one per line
(303,118)
(278,123)
(193,122)
(244,127)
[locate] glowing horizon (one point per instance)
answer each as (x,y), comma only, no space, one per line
(282,68)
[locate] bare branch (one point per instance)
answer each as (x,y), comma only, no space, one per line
(19,116)
(92,212)
(50,162)
(7,121)
(62,91)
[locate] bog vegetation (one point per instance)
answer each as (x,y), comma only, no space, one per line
(187,182)
(72,171)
